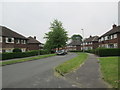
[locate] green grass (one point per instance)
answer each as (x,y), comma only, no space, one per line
(71,64)
(109,69)
(26,59)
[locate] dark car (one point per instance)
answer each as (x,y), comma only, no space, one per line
(61,52)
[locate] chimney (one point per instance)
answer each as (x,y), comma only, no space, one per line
(90,36)
(114,26)
(34,37)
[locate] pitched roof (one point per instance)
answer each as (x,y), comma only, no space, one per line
(114,30)
(33,40)
(91,38)
(4,31)
(75,43)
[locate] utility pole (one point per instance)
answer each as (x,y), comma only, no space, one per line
(83,38)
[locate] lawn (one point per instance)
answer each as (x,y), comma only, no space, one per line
(26,59)
(71,64)
(109,69)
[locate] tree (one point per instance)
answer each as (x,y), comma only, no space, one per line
(76,37)
(57,37)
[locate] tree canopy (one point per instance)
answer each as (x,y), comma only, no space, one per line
(77,37)
(57,36)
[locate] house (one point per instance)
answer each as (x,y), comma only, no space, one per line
(90,43)
(34,44)
(9,40)
(74,45)
(111,39)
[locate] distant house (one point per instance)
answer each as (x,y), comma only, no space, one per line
(34,44)
(9,40)
(111,39)
(90,43)
(74,45)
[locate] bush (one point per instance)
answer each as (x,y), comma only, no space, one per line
(13,55)
(17,50)
(102,52)
(75,50)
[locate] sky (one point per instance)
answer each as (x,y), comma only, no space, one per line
(33,18)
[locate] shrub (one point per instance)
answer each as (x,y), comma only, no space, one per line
(105,51)
(75,50)
(13,55)
(17,50)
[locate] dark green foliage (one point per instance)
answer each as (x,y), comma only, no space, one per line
(23,54)
(102,52)
(77,37)
(75,51)
(17,50)
(56,37)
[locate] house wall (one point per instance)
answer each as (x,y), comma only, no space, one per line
(33,47)
(111,41)
(8,47)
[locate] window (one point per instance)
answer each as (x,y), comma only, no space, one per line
(115,45)
(23,49)
(24,41)
(8,50)
(106,38)
(18,41)
(9,40)
(0,38)
(115,35)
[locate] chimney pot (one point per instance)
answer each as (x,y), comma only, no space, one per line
(34,37)
(114,26)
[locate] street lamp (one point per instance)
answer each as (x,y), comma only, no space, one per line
(83,38)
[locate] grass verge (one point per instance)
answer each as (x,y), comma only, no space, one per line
(109,69)
(25,59)
(71,64)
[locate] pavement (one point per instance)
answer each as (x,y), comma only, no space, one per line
(36,74)
(88,75)
(40,74)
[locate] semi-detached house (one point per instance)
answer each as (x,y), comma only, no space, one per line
(10,39)
(111,39)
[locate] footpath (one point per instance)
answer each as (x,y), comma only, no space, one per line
(88,75)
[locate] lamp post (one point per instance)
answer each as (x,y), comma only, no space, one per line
(83,38)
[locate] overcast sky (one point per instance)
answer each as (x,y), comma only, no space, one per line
(33,18)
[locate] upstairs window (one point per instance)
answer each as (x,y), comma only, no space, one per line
(115,35)
(9,40)
(18,41)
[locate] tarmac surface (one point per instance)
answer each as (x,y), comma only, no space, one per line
(36,74)
(40,74)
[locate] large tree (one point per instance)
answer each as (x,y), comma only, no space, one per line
(76,37)
(57,36)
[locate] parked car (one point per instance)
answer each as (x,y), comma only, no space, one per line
(61,52)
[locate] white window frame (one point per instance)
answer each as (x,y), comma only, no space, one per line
(1,39)
(115,36)
(12,40)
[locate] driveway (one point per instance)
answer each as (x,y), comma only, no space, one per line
(36,74)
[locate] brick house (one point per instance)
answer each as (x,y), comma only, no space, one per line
(111,39)
(90,43)
(10,40)
(74,45)
(34,44)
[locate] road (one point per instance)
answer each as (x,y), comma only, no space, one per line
(36,74)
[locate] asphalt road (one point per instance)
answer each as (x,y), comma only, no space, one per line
(36,74)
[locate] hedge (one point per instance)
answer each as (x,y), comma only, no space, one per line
(102,52)
(13,55)
(75,50)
